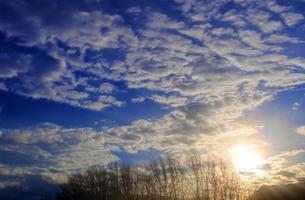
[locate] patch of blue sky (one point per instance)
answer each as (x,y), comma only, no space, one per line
(280,120)
(20,112)
(140,158)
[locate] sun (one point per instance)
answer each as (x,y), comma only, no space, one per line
(245,158)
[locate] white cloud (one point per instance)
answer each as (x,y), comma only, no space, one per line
(254,39)
(296,106)
(165,59)
(289,16)
(209,75)
(228,67)
(63,149)
(172,101)
(291,19)
(139,99)
(282,38)
(235,17)
(301,130)
(79,31)
(275,7)
(107,88)
(262,19)
(102,102)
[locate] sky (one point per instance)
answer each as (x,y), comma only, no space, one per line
(90,82)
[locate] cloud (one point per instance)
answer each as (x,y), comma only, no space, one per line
(212,74)
(102,102)
(35,24)
(275,7)
(139,99)
(296,106)
(282,38)
(301,130)
(172,101)
(58,147)
(193,59)
(291,19)
(3,86)
(107,88)
(210,64)
(36,187)
(234,17)
(287,13)
(263,20)
(279,168)
(41,71)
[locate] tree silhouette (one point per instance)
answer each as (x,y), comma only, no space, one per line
(167,178)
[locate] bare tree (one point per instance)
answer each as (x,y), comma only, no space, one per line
(193,179)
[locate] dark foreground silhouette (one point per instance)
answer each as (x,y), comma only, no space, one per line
(280,192)
(193,179)
(169,179)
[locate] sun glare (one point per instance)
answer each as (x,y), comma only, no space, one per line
(245,158)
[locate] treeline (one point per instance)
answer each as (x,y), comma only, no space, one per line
(166,179)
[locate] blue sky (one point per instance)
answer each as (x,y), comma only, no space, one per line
(91,82)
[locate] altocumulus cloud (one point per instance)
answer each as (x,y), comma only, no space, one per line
(279,168)
(207,62)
